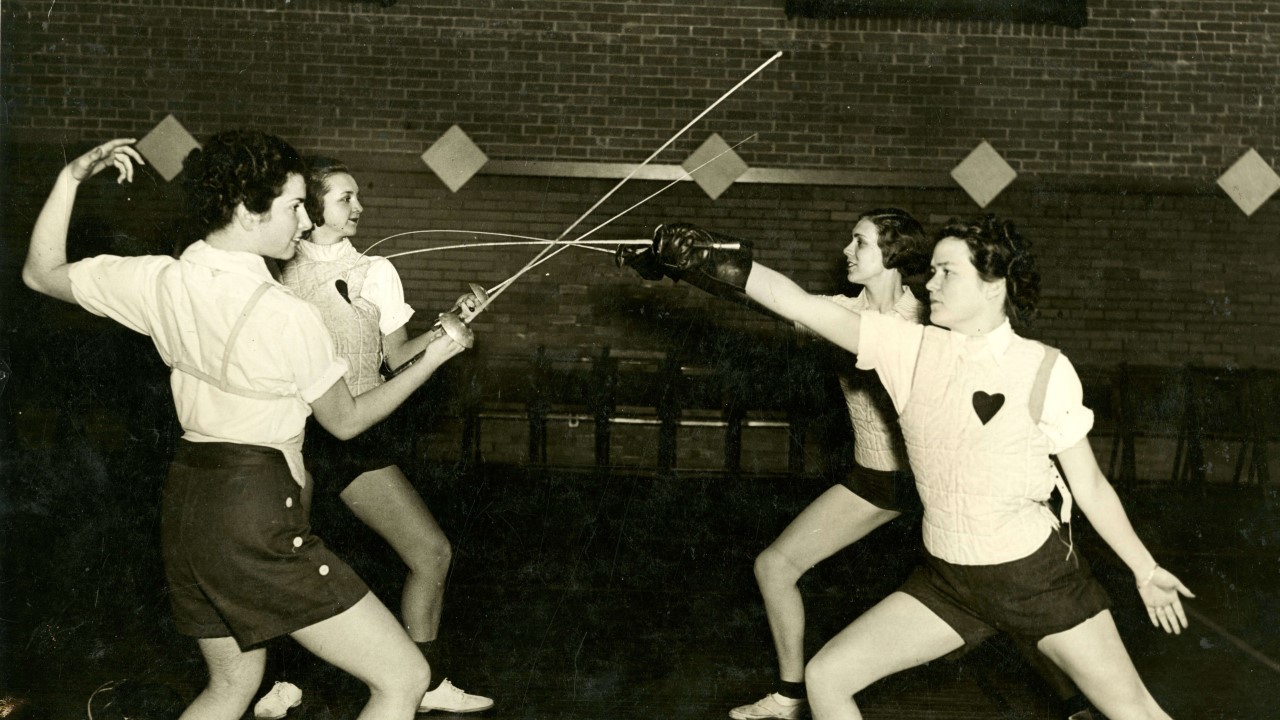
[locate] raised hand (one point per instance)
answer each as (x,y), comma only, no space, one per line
(118,153)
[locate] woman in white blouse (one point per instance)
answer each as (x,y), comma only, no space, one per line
(982,411)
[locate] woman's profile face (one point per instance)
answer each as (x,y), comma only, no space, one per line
(865,260)
(958,295)
(342,210)
(282,226)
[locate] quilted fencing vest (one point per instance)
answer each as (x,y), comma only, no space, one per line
(878,443)
(333,283)
(981,462)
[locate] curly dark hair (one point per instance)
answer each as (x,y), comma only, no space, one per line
(903,243)
(999,252)
(234,167)
(319,169)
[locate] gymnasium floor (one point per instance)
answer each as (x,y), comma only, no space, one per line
(577,595)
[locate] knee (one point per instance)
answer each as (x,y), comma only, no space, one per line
(774,568)
(233,689)
(419,678)
(232,675)
(824,676)
(433,556)
(408,679)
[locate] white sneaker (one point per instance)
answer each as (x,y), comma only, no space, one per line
(452,699)
(282,698)
(772,706)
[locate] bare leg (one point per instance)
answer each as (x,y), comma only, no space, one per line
(835,520)
(386,502)
(896,634)
(367,641)
(234,677)
(1094,656)
(1057,680)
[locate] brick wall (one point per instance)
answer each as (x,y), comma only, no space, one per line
(1174,91)
(1118,130)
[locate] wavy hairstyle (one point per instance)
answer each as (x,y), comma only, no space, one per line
(319,169)
(999,252)
(234,167)
(903,243)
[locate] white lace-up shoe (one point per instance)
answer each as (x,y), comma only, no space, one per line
(772,706)
(449,698)
(277,703)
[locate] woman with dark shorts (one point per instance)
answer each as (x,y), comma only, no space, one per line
(981,452)
(249,363)
(362,302)
(886,245)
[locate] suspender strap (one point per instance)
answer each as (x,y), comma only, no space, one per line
(235,329)
(221,381)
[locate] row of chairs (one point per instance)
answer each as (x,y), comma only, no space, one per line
(1152,423)
(1189,409)
(609,390)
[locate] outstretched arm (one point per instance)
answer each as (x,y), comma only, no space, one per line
(1097,499)
(778,294)
(45,269)
(723,265)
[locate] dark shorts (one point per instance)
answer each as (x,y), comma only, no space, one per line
(1029,598)
(334,463)
(886,489)
(238,550)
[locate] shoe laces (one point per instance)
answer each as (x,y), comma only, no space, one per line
(449,687)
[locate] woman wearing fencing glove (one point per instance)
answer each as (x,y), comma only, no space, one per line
(999,560)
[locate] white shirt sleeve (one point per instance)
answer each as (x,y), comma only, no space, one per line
(890,346)
(306,348)
(382,287)
(120,288)
(1065,419)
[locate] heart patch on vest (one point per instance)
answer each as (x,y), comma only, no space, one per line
(342,290)
(987,405)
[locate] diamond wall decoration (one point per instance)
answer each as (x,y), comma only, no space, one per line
(714,166)
(166,146)
(1250,181)
(454,158)
(983,174)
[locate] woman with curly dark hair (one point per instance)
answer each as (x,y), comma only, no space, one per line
(249,362)
(982,411)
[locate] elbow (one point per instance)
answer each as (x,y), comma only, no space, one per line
(347,430)
(33,280)
(342,429)
(345,434)
(45,283)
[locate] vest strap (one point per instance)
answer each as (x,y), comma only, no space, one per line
(1038,392)
(1041,386)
